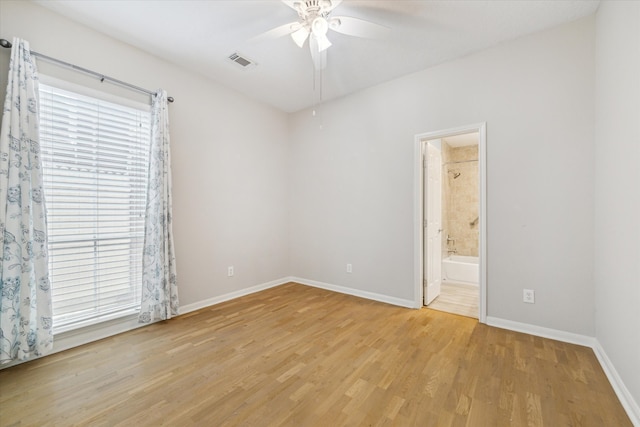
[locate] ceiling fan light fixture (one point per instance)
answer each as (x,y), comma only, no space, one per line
(319,27)
(323,42)
(300,36)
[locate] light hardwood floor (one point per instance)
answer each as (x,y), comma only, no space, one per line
(300,356)
(457,298)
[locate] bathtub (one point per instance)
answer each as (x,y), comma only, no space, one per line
(461,269)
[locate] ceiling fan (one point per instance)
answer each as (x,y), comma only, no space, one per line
(315,20)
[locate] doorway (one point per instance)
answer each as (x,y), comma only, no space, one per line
(451,220)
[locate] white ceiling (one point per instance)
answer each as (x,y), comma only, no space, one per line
(200,35)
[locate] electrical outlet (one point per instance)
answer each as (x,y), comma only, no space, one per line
(349,268)
(230,271)
(528,296)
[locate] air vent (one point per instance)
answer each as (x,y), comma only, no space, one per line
(242,60)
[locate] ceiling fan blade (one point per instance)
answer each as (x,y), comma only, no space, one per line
(280,31)
(357,27)
(319,57)
(300,36)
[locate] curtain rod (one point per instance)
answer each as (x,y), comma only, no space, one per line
(7,44)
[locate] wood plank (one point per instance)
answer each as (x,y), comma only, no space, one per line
(300,356)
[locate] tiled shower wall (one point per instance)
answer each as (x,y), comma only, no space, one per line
(460,199)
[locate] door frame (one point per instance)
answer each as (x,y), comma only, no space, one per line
(420,141)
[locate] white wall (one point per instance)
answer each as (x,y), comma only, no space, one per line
(352,181)
(229,178)
(617,198)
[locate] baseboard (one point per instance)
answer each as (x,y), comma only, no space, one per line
(540,331)
(356,292)
(627,401)
(232,295)
(623,394)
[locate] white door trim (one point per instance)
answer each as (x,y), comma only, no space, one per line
(419,143)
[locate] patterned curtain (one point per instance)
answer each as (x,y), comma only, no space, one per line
(25,302)
(159,289)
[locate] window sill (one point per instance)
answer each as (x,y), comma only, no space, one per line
(94,322)
(64,340)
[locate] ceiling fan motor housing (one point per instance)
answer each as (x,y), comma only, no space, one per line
(312,8)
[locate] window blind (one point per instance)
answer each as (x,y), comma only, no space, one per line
(95,157)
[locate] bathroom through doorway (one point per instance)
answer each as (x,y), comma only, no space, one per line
(452,244)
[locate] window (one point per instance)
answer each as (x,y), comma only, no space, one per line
(95,157)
